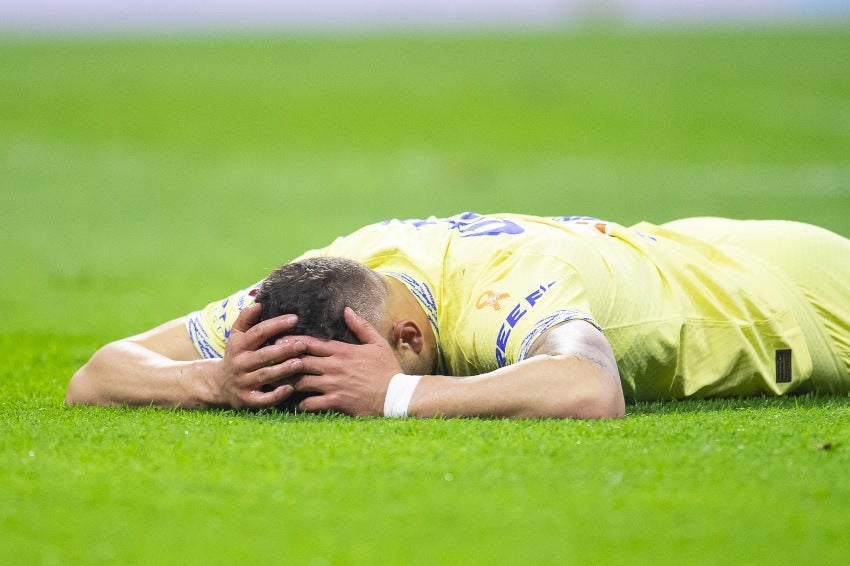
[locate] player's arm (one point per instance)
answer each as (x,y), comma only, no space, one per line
(571,372)
(162,368)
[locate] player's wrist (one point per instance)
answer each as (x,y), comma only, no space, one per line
(204,384)
(399,393)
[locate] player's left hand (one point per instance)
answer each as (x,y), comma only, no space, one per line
(347,378)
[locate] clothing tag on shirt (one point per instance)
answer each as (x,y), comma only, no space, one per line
(783,366)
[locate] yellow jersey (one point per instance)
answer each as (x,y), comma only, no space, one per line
(685,318)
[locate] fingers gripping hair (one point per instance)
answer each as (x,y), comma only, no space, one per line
(318,290)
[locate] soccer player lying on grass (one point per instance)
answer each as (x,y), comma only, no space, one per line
(509,315)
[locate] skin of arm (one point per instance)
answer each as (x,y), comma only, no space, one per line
(571,372)
(162,368)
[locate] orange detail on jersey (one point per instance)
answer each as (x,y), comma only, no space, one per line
(600,226)
(491,299)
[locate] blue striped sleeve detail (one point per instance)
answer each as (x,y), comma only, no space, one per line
(553,319)
(199,337)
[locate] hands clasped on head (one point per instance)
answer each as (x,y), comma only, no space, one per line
(333,375)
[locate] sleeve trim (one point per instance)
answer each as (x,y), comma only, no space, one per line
(557,317)
(199,336)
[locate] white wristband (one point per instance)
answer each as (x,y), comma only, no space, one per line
(399,393)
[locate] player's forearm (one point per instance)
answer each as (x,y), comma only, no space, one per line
(540,387)
(126,373)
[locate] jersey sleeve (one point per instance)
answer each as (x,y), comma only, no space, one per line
(541,326)
(209,328)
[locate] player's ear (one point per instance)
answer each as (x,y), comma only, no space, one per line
(407,334)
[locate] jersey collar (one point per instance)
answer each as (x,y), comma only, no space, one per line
(422,292)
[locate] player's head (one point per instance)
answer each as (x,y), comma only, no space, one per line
(318,290)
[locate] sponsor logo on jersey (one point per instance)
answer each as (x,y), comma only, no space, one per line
(520,309)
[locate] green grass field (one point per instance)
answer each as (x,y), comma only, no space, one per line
(142,178)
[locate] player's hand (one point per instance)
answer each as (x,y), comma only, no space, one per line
(348,378)
(251,374)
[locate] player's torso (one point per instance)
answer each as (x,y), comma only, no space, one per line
(492,283)
(684,319)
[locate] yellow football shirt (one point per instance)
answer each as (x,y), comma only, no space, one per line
(685,318)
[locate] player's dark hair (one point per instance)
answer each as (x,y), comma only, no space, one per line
(318,290)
